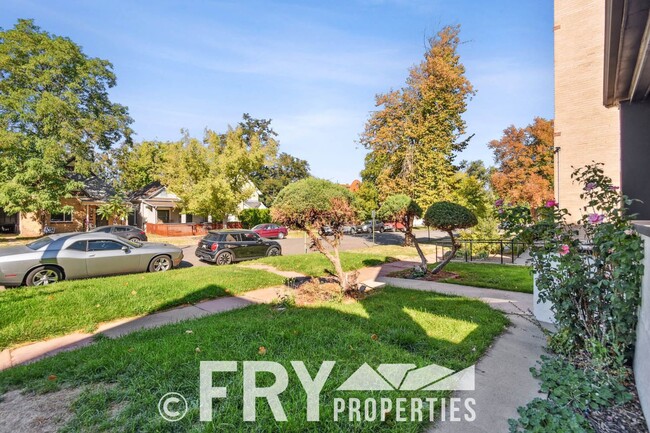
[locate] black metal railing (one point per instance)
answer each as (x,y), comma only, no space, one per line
(481,249)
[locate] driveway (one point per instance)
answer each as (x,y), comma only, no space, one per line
(297,246)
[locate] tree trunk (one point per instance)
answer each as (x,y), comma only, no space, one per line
(454,250)
(412,240)
(334,258)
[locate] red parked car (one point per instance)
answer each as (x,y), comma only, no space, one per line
(271,231)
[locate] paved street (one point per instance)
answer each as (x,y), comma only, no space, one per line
(297,246)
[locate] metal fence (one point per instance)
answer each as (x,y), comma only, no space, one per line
(490,250)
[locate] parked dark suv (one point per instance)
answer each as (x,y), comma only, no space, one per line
(226,246)
(127,232)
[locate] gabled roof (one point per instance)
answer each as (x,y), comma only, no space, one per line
(146,191)
(94,187)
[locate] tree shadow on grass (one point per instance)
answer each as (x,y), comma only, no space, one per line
(390,326)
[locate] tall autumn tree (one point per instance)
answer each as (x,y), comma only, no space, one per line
(415,134)
(54,109)
(524,158)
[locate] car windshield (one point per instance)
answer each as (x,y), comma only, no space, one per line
(131,243)
(40,243)
(259,227)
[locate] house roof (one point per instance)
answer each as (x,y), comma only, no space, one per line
(253,204)
(146,191)
(94,187)
(627,51)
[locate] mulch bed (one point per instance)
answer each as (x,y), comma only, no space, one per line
(408,274)
(626,418)
(308,291)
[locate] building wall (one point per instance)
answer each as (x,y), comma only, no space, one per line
(30,226)
(585,130)
(635,155)
(642,349)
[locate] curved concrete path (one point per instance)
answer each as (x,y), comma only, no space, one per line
(503,378)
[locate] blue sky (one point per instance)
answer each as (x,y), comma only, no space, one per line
(311,66)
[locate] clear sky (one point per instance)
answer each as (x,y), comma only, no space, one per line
(311,66)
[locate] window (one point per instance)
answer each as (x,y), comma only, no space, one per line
(103,230)
(231,238)
(163,215)
(249,237)
(189,217)
(78,246)
(104,245)
(37,245)
(120,229)
(62,217)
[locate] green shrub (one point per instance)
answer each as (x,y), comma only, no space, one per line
(545,416)
(449,216)
(251,217)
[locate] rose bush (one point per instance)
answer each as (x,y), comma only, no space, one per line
(590,271)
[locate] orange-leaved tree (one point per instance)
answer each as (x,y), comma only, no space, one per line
(524,158)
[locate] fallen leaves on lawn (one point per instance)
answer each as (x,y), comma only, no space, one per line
(262,350)
(51,377)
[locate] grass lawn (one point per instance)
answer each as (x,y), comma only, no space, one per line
(390,326)
(492,276)
(316,264)
(35,313)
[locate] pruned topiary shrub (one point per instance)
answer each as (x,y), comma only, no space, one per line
(312,204)
(447,216)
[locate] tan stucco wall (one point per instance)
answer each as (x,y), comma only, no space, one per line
(585,130)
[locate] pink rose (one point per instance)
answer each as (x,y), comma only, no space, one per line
(551,203)
(595,218)
(564,250)
(498,203)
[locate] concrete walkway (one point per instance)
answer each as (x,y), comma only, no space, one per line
(117,328)
(503,378)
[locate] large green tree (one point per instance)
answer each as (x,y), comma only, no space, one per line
(415,134)
(55,114)
(212,176)
(274,176)
(137,164)
(279,170)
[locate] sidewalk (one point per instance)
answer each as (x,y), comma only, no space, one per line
(503,378)
(117,328)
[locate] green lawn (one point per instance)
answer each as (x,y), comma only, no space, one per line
(35,313)
(316,264)
(492,276)
(390,326)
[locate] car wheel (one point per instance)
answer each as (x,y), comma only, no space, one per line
(280,235)
(381,229)
(160,264)
(135,240)
(353,232)
(224,258)
(273,251)
(43,275)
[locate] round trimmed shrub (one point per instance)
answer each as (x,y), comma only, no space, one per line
(449,216)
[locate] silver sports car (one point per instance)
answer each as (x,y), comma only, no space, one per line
(79,255)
